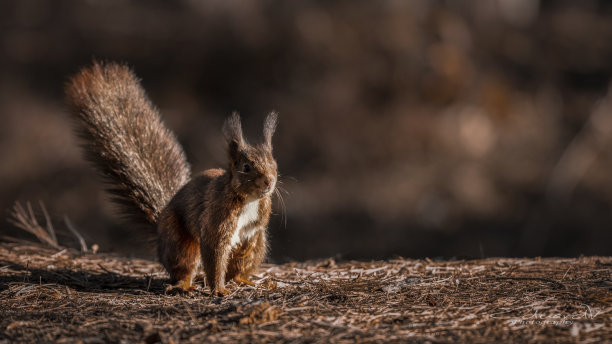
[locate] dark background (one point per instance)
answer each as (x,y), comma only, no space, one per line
(413,128)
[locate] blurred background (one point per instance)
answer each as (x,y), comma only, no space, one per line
(418,128)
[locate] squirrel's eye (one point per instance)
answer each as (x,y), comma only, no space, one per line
(246,168)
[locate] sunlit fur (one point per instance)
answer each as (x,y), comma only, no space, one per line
(124,136)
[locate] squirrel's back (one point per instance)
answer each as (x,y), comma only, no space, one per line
(126,139)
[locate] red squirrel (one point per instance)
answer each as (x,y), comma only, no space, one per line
(218,217)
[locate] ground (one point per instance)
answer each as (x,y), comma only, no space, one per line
(50,295)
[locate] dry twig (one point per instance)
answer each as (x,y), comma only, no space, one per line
(76,234)
(26,220)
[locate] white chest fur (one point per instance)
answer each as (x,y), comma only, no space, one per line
(245,229)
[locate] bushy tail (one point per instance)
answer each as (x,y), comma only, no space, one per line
(126,140)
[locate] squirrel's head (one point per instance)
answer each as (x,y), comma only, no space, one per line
(252,167)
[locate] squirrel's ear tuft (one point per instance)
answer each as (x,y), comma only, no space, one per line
(232,129)
(269,128)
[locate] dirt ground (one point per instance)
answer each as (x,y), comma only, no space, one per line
(64,296)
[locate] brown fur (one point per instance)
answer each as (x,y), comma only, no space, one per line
(127,140)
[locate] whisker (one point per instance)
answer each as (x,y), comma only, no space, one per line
(283,190)
(280,183)
(283,206)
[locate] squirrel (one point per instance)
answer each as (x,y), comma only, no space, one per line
(217,218)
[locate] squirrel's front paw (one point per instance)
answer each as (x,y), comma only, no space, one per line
(180,287)
(221,291)
(242,280)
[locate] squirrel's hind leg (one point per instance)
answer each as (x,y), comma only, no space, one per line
(179,252)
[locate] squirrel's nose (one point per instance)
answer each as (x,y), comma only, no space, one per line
(267,182)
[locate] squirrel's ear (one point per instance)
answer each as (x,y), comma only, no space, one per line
(269,128)
(232,129)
